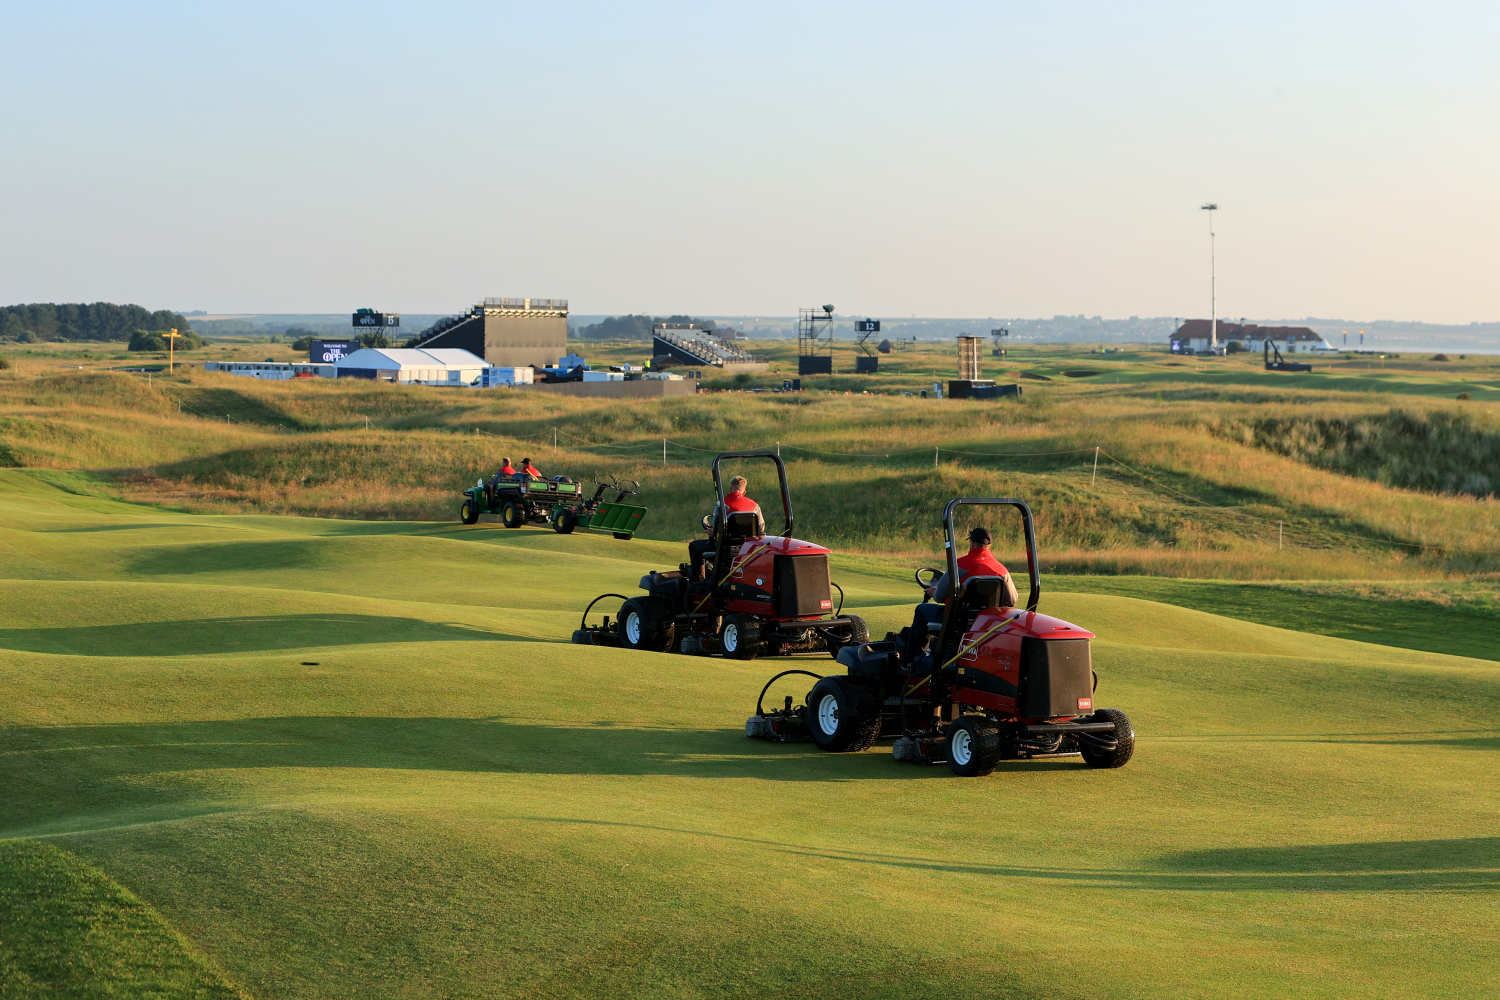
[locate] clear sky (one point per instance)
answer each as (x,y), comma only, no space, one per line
(934,159)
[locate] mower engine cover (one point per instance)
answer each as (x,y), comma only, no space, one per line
(783,578)
(1037,667)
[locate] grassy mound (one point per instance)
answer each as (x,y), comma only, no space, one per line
(68,930)
(355,759)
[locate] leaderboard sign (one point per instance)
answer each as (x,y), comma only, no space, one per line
(867,326)
(366,318)
(328,352)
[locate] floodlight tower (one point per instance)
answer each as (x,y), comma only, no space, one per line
(1213,301)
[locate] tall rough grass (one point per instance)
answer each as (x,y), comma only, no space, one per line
(1438,450)
(1178,489)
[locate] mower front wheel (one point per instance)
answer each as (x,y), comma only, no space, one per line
(511,515)
(842,715)
(1124,740)
(468,512)
(641,627)
(973,746)
(740,637)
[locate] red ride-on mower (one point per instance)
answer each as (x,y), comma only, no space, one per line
(764,594)
(993,684)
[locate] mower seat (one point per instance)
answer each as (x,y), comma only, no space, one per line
(982,592)
(740,528)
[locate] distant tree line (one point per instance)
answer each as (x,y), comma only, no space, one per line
(76,321)
(633,327)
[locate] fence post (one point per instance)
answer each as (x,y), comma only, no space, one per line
(1096,466)
(1279,534)
(663,453)
(934,458)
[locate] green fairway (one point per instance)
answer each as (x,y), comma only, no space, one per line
(294,757)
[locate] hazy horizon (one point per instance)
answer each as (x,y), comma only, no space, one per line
(963,160)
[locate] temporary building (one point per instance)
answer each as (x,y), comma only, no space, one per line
(439,366)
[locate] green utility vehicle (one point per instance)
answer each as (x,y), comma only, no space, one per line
(521,499)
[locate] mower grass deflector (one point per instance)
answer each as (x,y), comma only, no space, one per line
(993,683)
(521,499)
(759,595)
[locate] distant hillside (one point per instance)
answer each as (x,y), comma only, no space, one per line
(44,321)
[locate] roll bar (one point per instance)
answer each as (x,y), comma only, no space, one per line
(1027,523)
(786,493)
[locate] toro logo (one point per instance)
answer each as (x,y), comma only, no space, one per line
(825,605)
(1085,704)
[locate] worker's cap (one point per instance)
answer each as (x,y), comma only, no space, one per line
(979,536)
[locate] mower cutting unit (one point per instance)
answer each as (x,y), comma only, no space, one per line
(992,684)
(763,595)
(560,502)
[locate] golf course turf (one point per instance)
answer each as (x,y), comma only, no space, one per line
(295,757)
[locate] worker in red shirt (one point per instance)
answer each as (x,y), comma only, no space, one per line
(530,469)
(734,501)
(979,562)
(507,469)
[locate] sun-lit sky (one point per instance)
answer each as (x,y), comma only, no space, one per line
(932,159)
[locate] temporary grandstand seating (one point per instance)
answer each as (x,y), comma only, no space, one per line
(699,347)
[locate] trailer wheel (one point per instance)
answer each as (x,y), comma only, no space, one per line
(1124,737)
(512,516)
(842,715)
(973,746)
(565,522)
(622,536)
(641,627)
(739,637)
(468,512)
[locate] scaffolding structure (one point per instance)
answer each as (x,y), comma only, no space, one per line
(867,362)
(999,337)
(970,351)
(814,349)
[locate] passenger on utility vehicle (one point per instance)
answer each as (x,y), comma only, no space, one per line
(507,469)
(735,501)
(979,562)
(530,469)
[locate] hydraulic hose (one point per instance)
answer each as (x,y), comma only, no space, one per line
(841,600)
(760,711)
(585,623)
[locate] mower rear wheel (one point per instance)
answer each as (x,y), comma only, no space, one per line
(468,512)
(565,521)
(842,715)
(973,746)
(1124,735)
(740,637)
(511,515)
(642,627)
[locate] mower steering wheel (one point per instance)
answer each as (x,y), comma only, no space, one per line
(918,575)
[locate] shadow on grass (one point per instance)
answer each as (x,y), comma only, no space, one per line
(1465,864)
(51,773)
(246,634)
(234,556)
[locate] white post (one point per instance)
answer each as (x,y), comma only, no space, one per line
(554,439)
(778,449)
(663,453)
(934,458)
(1213,286)
(1095,476)
(1279,534)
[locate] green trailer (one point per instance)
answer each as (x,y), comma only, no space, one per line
(559,502)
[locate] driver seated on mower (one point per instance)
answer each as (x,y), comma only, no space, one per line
(735,502)
(979,562)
